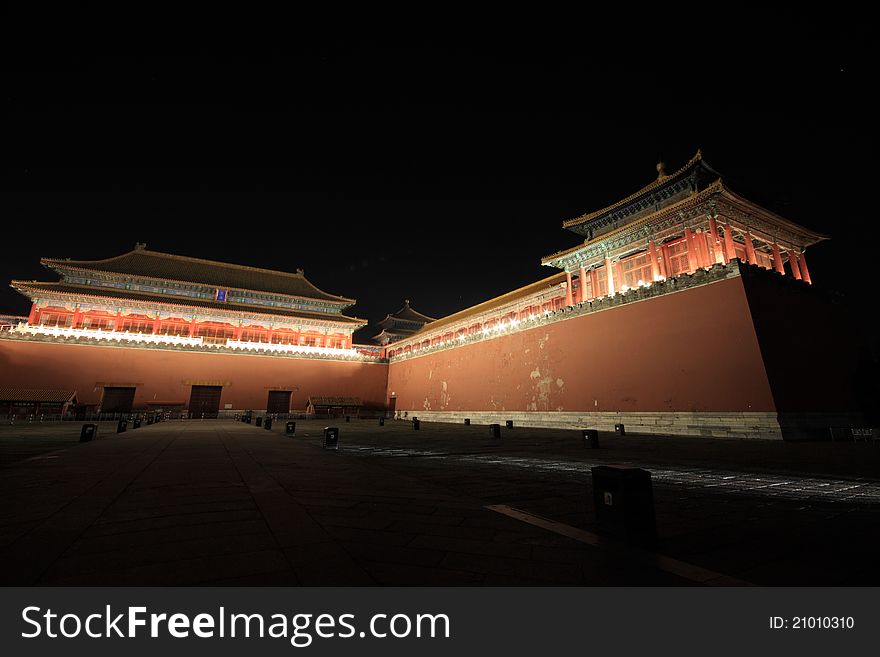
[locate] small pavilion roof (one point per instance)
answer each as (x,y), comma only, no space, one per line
(35,395)
(406,314)
(335,401)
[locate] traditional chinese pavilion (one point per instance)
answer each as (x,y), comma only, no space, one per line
(181,307)
(678,224)
(160,297)
(401,324)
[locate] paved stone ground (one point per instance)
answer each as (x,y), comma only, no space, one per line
(221,502)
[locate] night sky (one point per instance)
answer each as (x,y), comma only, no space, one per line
(437,167)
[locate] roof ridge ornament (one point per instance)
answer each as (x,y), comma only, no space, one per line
(661,170)
(140,246)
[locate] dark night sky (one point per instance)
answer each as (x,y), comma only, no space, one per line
(438,167)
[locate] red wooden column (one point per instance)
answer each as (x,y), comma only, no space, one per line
(157,324)
(236,332)
(269,334)
(655,265)
(693,251)
(777,260)
(118,326)
(609,277)
(77,318)
(729,249)
(665,266)
(582,283)
(750,249)
(709,245)
(702,248)
(594,281)
(32,317)
(805,273)
(569,300)
(192,327)
(793,263)
(717,247)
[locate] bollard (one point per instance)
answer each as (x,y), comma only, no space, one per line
(136,423)
(121,426)
(381,421)
(624,503)
(88,433)
(249,419)
(416,424)
(268,423)
(150,419)
(259,422)
(619,430)
(495,430)
(290,428)
(467,422)
(509,424)
(591,438)
(331,438)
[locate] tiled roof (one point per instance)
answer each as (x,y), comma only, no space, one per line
(660,181)
(497,302)
(113,293)
(153,264)
(30,395)
(408,314)
(335,401)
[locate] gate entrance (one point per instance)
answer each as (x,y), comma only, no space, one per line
(278,402)
(117,400)
(204,401)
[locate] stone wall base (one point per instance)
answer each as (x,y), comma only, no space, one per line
(766,425)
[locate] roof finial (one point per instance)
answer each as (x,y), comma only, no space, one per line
(406,302)
(661,170)
(140,246)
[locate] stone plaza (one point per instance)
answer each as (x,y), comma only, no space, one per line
(220,502)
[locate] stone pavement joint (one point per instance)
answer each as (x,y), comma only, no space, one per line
(670,565)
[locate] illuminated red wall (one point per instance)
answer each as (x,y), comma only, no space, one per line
(162,373)
(742,344)
(694,350)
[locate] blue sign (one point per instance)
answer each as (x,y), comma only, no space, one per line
(221,295)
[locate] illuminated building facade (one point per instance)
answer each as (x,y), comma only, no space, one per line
(182,309)
(687,310)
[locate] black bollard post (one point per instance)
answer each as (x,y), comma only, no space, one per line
(624,503)
(591,438)
(331,438)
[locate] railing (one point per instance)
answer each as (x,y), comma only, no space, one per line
(119,336)
(356,352)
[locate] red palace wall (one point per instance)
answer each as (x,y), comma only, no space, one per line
(690,351)
(163,373)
